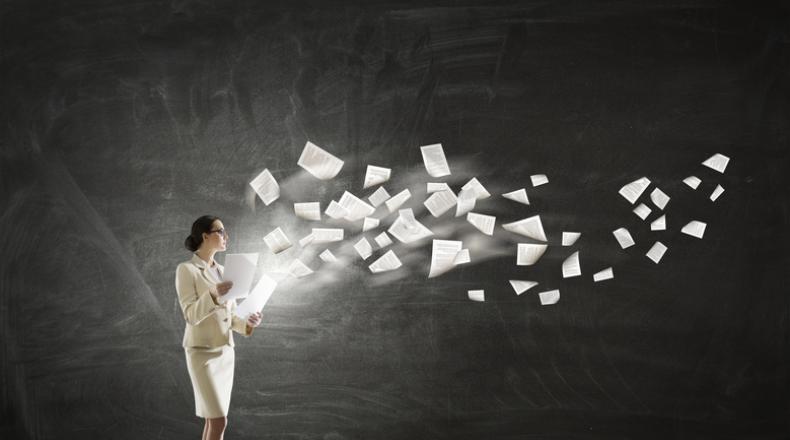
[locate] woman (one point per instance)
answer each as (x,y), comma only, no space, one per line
(208,337)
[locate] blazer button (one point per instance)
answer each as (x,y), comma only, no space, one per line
(226,319)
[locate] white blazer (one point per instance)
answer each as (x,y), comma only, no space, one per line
(208,324)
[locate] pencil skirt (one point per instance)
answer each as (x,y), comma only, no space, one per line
(211,372)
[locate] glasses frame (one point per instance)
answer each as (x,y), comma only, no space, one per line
(221,231)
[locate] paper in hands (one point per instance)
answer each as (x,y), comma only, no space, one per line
(257,299)
(239,269)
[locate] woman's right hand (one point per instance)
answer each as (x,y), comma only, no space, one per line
(223,288)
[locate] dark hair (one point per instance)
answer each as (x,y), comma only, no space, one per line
(201,225)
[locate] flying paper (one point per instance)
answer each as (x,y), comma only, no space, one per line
(642,211)
(363,248)
(656,252)
(484,223)
(436,187)
(443,254)
(659,198)
(266,187)
(386,262)
(440,202)
(298,269)
(659,224)
(529,227)
(539,179)
(606,274)
(477,188)
(369,223)
(327,256)
(717,162)
(277,241)
(378,197)
(357,209)
(569,238)
(692,181)
(435,162)
(308,210)
(476,295)
(318,162)
(383,240)
(376,176)
(694,228)
(397,200)
(522,286)
(633,190)
(549,297)
(529,254)
(623,237)
(327,235)
(716,193)
(519,195)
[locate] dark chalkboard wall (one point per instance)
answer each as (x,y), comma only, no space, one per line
(124,121)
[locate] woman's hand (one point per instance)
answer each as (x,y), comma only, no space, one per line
(221,289)
(254,320)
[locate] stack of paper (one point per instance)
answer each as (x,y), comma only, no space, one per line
(529,227)
(378,197)
(569,238)
(327,235)
(694,228)
(528,254)
(277,241)
(435,162)
(519,195)
(539,179)
(549,297)
(606,274)
(623,237)
(376,176)
(363,248)
(633,190)
(397,200)
(318,162)
(571,266)
(308,210)
(656,252)
(522,286)
(717,162)
(484,223)
(266,187)
(357,209)
(443,255)
(440,202)
(477,295)
(388,261)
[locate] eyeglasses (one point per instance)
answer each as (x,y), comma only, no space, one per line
(221,232)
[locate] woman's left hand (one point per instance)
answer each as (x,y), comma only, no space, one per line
(254,320)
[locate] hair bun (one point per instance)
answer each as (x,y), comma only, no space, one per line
(190,243)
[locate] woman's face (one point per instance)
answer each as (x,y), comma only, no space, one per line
(217,239)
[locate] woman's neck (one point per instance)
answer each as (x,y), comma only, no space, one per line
(207,256)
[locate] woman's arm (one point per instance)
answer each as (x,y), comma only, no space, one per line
(195,306)
(240,326)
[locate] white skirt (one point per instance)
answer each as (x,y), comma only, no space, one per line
(211,372)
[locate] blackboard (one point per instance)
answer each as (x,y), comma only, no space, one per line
(123,122)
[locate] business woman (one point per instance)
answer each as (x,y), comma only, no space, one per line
(210,322)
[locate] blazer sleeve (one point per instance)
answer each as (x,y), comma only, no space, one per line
(240,326)
(195,306)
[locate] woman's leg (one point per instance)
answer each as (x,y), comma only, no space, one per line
(216,428)
(205,430)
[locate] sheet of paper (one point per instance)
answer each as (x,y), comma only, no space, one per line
(407,232)
(716,193)
(642,211)
(528,254)
(538,179)
(336,211)
(378,197)
(443,254)
(462,257)
(521,286)
(298,269)
(549,297)
(476,295)
(484,223)
(408,216)
(569,238)
(257,299)
(530,227)
(327,235)
(266,187)
(397,200)
(717,162)
(692,181)
(440,202)
(623,237)
(306,240)
(319,162)
(659,198)
(571,267)
(308,210)
(277,241)
(363,248)
(434,160)
(376,176)
(357,209)
(369,223)
(656,252)
(240,269)
(465,202)
(383,240)
(327,256)
(436,187)
(606,274)
(477,189)
(694,228)
(388,261)
(519,195)
(634,190)
(659,224)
